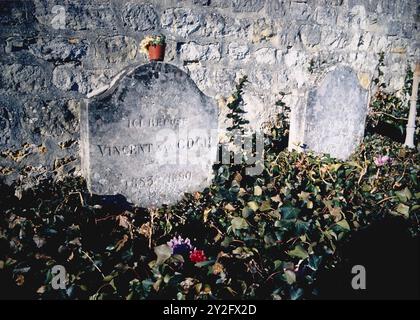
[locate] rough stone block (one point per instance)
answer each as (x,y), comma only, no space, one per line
(238,51)
(195,52)
(265,56)
(139,17)
(181,21)
(60,50)
(247,5)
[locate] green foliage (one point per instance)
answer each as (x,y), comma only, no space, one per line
(235,107)
(278,138)
(387,107)
(264,236)
(159,40)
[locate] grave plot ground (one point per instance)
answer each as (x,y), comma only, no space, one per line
(284,234)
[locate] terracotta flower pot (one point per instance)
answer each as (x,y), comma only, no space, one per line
(157,52)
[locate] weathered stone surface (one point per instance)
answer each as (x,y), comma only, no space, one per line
(14,44)
(262,79)
(151,138)
(115,49)
(277,8)
(214,24)
(262,29)
(238,51)
(60,50)
(16,13)
(299,10)
(265,56)
(23,78)
(326,15)
(282,45)
(202,2)
(311,35)
(181,21)
(335,114)
(247,5)
(27,122)
(196,52)
(69,77)
(87,15)
(44,147)
(8,123)
(140,17)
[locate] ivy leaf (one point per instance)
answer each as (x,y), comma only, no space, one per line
(304,196)
(246,212)
(257,191)
(163,253)
(298,252)
(178,258)
(229,207)
(290,276)
(265,206)
(403,209)
(302,227)
(253,205)
(239,223)
(157,284)
(276,198)
(343,224)
(109,277)
(404,195)
(314,262)
(289,212)
(204,263)
(334,167)
(39,241)
(415,207)
(295,294)
(277,264)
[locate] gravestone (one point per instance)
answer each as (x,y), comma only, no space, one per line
(335,114)
(150,138)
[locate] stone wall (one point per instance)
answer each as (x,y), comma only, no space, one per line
(53,53)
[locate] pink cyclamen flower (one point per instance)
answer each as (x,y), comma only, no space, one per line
(382,160)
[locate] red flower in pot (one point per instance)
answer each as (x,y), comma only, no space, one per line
(154,47)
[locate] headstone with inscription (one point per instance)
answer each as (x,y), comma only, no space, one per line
(335,114)
(151,137)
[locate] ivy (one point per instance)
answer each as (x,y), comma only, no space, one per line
(388,112)
(235,106)
(249,237)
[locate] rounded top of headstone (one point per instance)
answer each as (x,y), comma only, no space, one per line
(146,73)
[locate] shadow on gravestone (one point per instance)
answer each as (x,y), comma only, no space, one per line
(335,114)
(150,138)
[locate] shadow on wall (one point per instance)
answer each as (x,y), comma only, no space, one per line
(391,258)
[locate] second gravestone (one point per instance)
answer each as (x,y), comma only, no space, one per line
(151,138)
(335,114)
